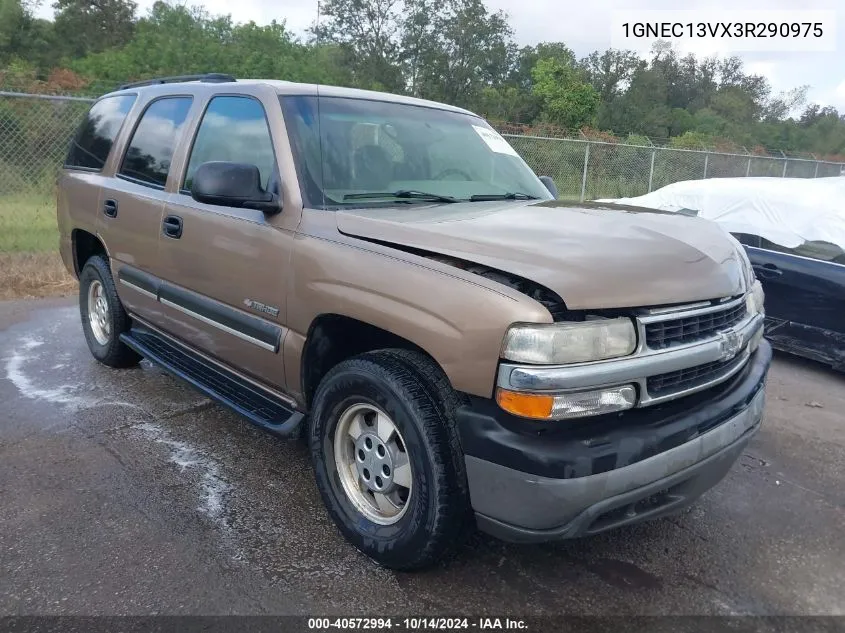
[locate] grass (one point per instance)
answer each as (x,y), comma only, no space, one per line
(28,224)
(30,265)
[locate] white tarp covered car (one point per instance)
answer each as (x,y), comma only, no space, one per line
(793,230)
(786,211)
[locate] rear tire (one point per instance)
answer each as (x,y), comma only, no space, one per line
(402,402)
(103,316)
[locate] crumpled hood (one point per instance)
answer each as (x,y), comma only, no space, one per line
(593,255)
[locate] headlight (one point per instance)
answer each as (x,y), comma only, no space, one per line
(756,299)
(576,342)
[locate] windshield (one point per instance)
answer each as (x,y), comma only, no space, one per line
(356,152)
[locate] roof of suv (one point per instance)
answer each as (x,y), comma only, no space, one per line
(291,88)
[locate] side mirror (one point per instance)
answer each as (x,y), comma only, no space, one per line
(232,185)
(550,185)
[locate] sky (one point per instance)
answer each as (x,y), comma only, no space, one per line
(586,27)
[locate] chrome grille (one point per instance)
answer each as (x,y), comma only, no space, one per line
(696,327)
(692,377)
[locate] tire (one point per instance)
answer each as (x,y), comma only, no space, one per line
(416,396)
(103,337)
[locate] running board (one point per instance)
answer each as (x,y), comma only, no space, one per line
(259,407)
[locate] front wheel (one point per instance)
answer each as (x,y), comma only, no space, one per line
(387,458)
(103,316)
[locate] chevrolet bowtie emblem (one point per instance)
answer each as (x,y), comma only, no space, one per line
(729,344)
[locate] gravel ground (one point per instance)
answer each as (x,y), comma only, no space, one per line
(126,492)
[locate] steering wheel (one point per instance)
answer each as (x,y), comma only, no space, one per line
(442,175)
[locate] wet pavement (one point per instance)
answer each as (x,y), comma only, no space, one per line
(127,492)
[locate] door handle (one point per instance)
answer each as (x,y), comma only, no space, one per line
(172,226)
(110,208)
(767,271)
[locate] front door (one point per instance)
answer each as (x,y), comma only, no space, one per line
(224,269)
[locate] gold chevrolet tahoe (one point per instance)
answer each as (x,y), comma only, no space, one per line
(388,278)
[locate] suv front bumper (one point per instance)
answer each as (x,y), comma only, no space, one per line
(530,484)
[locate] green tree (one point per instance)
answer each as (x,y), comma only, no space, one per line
(91,26)
(528,56)
(778,107)
(710,123)
(13,17)
(457,51)
(643,108)
(368,34)
(734,104)
(610,72)
(25,39)
(471,49)
(823,129)
(419,42)
(566,99)
(680,121)
(508,103)
(174,40)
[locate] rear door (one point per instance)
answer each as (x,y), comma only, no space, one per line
(225,269)
(132,202)
(805,297)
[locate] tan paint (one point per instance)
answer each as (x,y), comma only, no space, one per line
(458,318)
(593,256)
(228,255)
(78,193)
(309,262)
(292,352)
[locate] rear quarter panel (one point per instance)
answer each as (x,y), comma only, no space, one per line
(77,199)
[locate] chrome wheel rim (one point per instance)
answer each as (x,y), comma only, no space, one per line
(98,313)
(373,464)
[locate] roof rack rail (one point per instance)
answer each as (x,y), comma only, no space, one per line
(212,78)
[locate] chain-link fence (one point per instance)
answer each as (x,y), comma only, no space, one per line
(585,170)
(34,135)
(35,131)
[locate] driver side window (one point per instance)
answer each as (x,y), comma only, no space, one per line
(233,129)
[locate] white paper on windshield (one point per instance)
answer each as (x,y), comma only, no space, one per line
(494,141)
(786,211)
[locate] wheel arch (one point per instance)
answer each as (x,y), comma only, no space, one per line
(333,338)
(84,246)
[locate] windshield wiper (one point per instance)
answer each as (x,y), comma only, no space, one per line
(484,197)
(402,194)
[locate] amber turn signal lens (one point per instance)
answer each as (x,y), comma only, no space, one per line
(526,405)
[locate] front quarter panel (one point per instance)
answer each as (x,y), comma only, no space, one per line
(457,320)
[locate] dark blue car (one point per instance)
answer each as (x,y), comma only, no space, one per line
(805,297)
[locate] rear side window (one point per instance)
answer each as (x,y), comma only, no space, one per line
(816,249)
(147,160)
(822,251)
(748,239)
(93,141)
(233,129)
